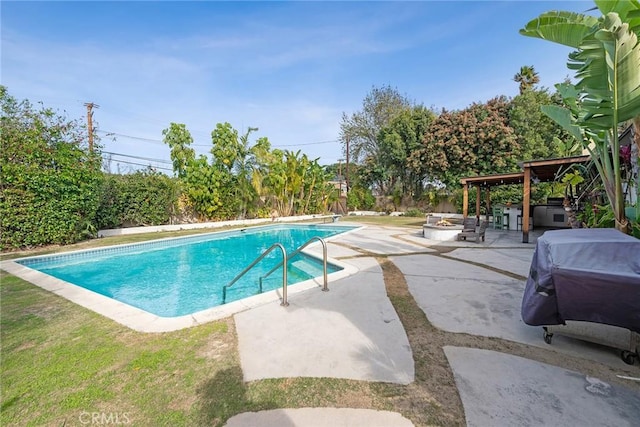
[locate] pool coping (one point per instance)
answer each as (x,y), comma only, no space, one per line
(143,321)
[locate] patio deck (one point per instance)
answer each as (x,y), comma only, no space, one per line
(468,288)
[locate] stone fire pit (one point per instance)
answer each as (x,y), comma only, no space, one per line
(442,230)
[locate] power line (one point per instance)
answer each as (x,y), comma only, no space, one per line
(307,143)
(140,138)
(201,132)
(109,133)
(139,157)
(142,164)
(283,145)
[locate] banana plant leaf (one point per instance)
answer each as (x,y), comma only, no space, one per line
(607,66)
(564,118)
(567,28)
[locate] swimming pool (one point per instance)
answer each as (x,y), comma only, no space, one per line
(181,276)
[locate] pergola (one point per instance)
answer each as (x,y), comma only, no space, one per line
(538,170)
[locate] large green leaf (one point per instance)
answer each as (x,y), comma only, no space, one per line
(567,28)
(621,7)
(608,66)
(628,10)
(564,118)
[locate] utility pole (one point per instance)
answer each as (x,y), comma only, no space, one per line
(90,106)
(347,165)
(346,200)
(340,176)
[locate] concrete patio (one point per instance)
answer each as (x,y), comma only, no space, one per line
(353,332)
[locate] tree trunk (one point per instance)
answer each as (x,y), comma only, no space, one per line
(306,206)
(572,218)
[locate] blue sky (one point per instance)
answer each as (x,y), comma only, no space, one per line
(289,68)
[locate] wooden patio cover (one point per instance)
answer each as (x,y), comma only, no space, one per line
(541,170)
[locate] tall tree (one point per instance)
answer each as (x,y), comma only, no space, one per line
(296,185)
(397,141)
(234,155)
(361,129)
(244,169)
(538,136)
(210,189)
(226,147)
(178,138)
(607,65)
(262,159)
(475,141)
(527,77)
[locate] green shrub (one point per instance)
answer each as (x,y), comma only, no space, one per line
(597,216)
(49,179)
(360,198)
(141,198)
(413,212)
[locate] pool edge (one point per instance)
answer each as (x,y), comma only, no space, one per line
(143,321)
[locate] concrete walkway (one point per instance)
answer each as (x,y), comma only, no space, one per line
(498,389)
(320,417)
(458,297)
(353,332)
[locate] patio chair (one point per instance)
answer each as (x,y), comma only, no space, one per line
(500,218)
(469,224)
(476,235)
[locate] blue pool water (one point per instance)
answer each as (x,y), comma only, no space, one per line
(175,277)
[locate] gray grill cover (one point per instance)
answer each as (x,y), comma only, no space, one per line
(584,274)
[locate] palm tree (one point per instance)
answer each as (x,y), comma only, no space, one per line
(244,168)
(527,77)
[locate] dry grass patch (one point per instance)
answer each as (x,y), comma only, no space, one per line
(433,398)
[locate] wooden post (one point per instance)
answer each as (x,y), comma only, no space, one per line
(526,202)
(488,203)
(465,200)
(477,203)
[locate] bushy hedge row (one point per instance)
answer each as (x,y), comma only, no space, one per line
(141,198)
(49,181)
(52,189)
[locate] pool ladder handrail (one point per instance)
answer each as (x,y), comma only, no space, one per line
(325,286)
(257,260)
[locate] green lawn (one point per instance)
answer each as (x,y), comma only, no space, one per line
(61,362)
(385,220)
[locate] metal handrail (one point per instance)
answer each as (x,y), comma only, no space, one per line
(325,287)
(243,272)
